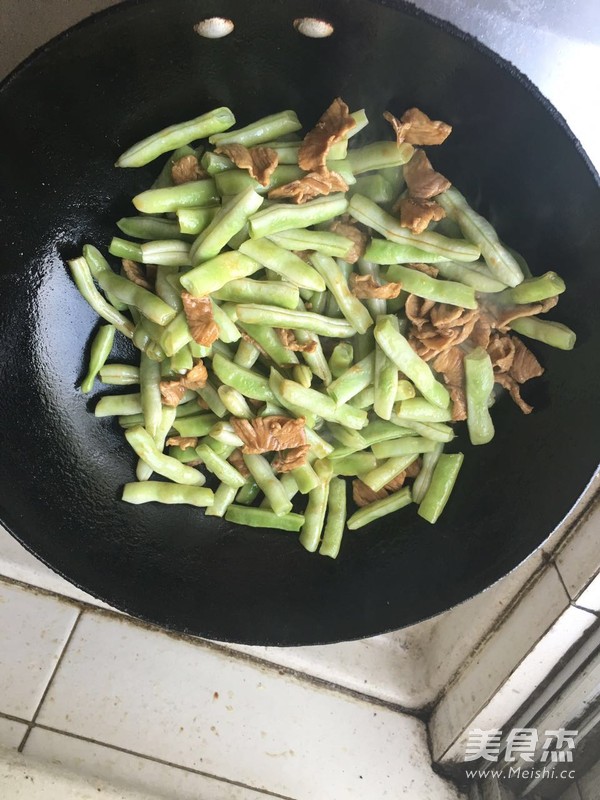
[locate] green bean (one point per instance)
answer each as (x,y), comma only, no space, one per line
(143,444)
(195,220)
(287,481)
(219,347)
(248,493)
(417,408)
(385,380)
(322,406)
(416,282)
(479,231)
(214,274)
(174,136)
(82,276)
(354,464)
(287,152)
(167,417)
(379,155)
(347,437)
(366,398)
(423,479)
(121,248)
(160,492)
(434,431)
(276,383)
(199,350)
(102,345)
(248,383)
(150,228)
(247,354)
(314,515)
(352,309)
(263,130)
(398,350)
(261,471)
(283,216)
(379,509)
(404,446)
(302,374)
(115,405)
(164,287)
(354,380)
(325,242)
(165,176)
(224,432)
(376,431)
(166,252)
(234,181)
(552,333)
(532,290)
(341,358)
(197,425)
(380,251)
(148,303)
(336,519)
(305,477)
(318,446)
(262,518)
(182,362)
(370,214)
(224,471)
(175,335)
(290,266)
(214,163)
(442,482)
(228,221)
(385,473)
(470,276)
(224,497)
(375,305)
(220,448)
(228,331)
(375,187)
(246,290)
(150,394)
(256,314)
(211,397)
(119,374)
(268,341)
(172,198)
(318,302)
(479,384)
(97,264)
(360,122)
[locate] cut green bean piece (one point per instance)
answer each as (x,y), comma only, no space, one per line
(385,380)
(336,519)
(360,121)
(172,198)
(366,398)
(119,374)
(434,431)
(287,151)
(171,493)
(423,479)
(143,444)
(375,187)
(223,432)
(150,228)
(552,333)
(199,425)
(263,130)
(354,464)
(346,437)
(228,331)
(322,406)
(146,150)
(383,474)
(283,216)
(398,350)
(115,405)
(263,474)
(532,290)
(181,362)
(314,516)
(442,482)
(376,431)
(83,280)
(262,518)
(211,397)
(325,242)
(305,477)
(268,341)
(302,374)
(235,181)
(145,301)
(341,359)
(248,494)
(480,281)
(478,230)
(256,314)
(350,306)
(166,252)
(380,251)
(284,263)
(121,248)
(165,289)
(150,395)
(379,155)
(102,345)
(228,221)
(379,508)
(235,402)
(354,380)
(247,354)
(195,220)
(246,290)
(224,471)
(479,384)
(214,163)
(418,408)
(370,214)
(224,497)
(249,383)
(406,445)
(416,282)
(143,471)
(175,335)
(214,274)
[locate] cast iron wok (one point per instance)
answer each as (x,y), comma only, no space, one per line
(71,109)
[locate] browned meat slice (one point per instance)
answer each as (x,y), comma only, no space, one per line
(363,495)
(184,442)
(423,130)
(422,180)
(482,331)
(200,319)
(287,460)
(365,287)
(525,365)
(417,214)
(396,483)
(443,315)
(332,127)
(135,273)
(172,392)
(236,460)
(437,327)
(504,315)
(417,310)
(313,185)
(196,377)
(187,169)
(288,340)
(449,363)
(400,128)
(413,469)
(501,350)
(504,379)
(263,434)
(259,161)
(358,237)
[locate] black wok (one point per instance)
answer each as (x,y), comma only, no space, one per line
(68,111)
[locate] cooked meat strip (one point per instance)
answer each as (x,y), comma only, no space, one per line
(187,169)
(365,287)
(363,495)
(172,392)
(400,128)
(422,180)
(184,442)
(287,460)
(288,340)
(135,273)
(332,127)
(417,214)
(423,130)
(259,161)
(313,185)
(263,434)
(237,460)
(358,237)
(199,314)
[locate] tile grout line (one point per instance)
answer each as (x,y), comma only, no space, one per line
(162,761)
(49,684)
(12,718)
(223,648)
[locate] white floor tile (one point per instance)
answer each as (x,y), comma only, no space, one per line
(589,784)
(11,733)
(197,707)
(34,629)
(578,559)
(132,772)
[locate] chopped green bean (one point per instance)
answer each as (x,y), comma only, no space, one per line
(121,248)
(380,251)
(115,405)
(143,444)
(246,290)
(379,508)
(235,402)
(404,446)
(385,473)
(354,380)
(234,181)
(341,358)
(150,228)
(302,374)
(167,417)
(248,493)
(479,384)
(385,381)
(171,493)
(212,275)
(418,408)
(263,474)
(379,155)
(354,464)
(325,242)
(322,406)
(314,515)
(166,252)
(224,497)
(375,187)
(532,290)
(350,306)
(195,220)
(119,374)
(83,280)
(442,482)
(553,333)
(150,395)
(423,479)
(198,425)
(256,314)
(224,471)
(336,519)
(434,431)
(283,216)
(102,345)
(249,383)
(247,354)
(172,198)
(290,266)
(305,477)
(214,163)
(148,303)
(263,130)
(416,282)
(469,275)
(262,518)
(227,222)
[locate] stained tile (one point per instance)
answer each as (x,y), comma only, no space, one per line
(11,733)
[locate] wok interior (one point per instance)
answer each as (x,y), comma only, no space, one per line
(71,110)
